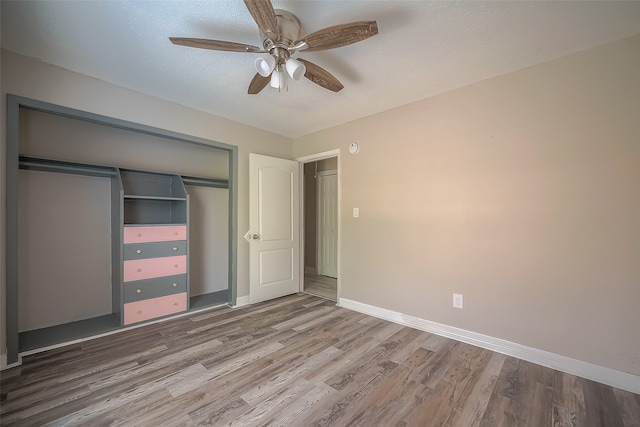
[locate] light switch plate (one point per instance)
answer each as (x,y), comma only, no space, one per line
(457,301)
(356,212)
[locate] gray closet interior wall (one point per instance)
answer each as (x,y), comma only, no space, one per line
(62,138)
(207,247)
(63,220)
(63,241)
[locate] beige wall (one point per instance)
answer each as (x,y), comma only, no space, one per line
(520,192)
(33,79)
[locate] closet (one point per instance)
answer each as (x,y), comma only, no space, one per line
(117,224)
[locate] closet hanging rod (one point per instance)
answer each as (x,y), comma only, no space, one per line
(205,182)
(49,165)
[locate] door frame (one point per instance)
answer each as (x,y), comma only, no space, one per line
(301,162)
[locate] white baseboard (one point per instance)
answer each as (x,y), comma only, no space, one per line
(241,301)
(601,374)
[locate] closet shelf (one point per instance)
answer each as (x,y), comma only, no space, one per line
(131,196)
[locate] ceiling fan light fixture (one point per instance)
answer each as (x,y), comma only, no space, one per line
(280,32)
(295,68)
(265,66)
(279,79)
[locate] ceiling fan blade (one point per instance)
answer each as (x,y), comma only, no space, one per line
(257,84)
(264,15)
(340,35)
(321,77)
(215,45)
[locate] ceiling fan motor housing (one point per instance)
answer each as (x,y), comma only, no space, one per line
(289,33)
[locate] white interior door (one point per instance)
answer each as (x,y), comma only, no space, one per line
(328,224)
(274,219)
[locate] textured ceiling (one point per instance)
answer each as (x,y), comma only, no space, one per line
(423,48)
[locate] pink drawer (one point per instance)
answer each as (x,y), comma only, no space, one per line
(155,307)
(139,269)
(160,233)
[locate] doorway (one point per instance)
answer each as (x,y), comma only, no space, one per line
(320,208)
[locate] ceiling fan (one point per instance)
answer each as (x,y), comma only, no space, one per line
(281,40)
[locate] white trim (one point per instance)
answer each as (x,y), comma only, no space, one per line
(319,156)
(601,374)
(241,301)
(314,158)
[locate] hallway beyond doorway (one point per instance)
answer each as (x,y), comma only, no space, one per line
(322,286)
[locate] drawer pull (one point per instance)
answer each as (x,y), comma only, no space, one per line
(175,265)
(138,251)
(175,233)
(175,249)
(175,303)
(139,270)
(139,311)
(139,291)
(139,234)
(175,285)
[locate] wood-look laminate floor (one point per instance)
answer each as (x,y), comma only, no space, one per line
(322,286)
(299,361)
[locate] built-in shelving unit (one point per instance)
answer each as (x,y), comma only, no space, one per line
(153,198)
(155,259)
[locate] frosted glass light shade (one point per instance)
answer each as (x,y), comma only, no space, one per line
(295,68)
(278,79)
(265,66)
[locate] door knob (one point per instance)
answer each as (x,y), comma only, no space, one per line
(251,236)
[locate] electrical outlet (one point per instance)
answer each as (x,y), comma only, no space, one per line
(457,300)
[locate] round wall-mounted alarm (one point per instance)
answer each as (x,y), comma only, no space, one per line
(354,148)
